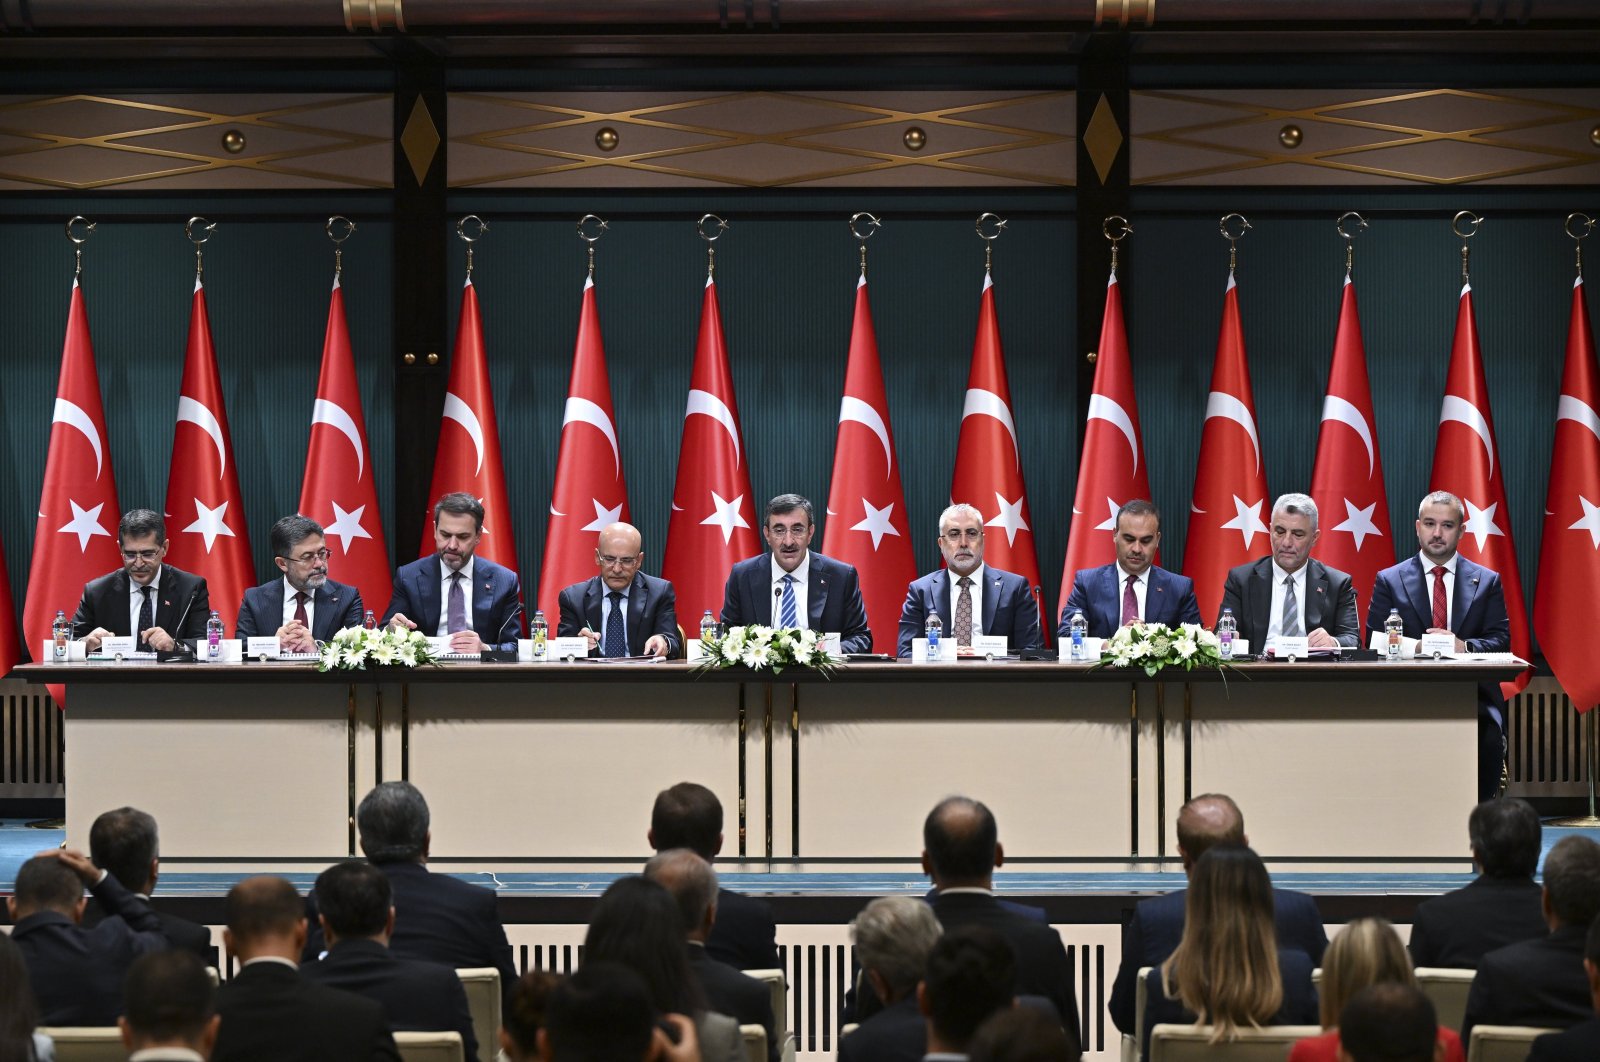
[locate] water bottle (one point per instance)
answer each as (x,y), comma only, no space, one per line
(214,636)
(541,635)
(708,627)
(369,621)
(934,626)
(1227,627)
(1394,626)
(61,632)
(1078,626)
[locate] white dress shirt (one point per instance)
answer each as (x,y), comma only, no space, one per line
(444,594)
(1449,588)
(288,604)
(976,576)
(1279,591)
(1141,586)
(802,578)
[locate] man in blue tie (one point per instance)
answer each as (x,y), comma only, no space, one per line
(473,601)
(622,611)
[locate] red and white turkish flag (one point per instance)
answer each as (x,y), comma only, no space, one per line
(590,492)
(1466,462)
(1569,556)
(205,509)
(989,461)
(468,457)
(340,491)
(713,523)
(1111,469)
(1230,506)
(867,524)
(1347,480)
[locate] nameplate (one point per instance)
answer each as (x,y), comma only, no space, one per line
(75,652)
(119,645)
(229,651)
(1241,647)
(1091,651)
(262,647)
(694,650)
(568,648)
(1437,645)
(919,651)
(830,643)
(1285,648)
(1379,643)
(988,645)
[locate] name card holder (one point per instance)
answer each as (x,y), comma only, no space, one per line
(1291,648)
(1437,647)
(264,647)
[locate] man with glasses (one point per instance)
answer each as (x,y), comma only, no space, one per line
(970,597)
(622,611)
(156,602)
(305,606)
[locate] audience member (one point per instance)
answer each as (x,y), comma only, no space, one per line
(523,1015)
(269,1012)
(971,974)
(1580,1043)
(1542,982)
(1389,1023)
(1500,906)
(1157,923)
(893,937)
(1021,1034)
(1228,971)
(19,1011)
(357,913)
(126,844)
(77,973)
(171,1013)
(1366,952)
(603,1013)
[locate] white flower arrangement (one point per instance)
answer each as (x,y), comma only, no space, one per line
(355,648)
(1154,646)
(766,648)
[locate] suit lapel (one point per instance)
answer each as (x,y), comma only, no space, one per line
(482,596)
(761,589)
(272,599)
(1417,590)
(428,593)
(1260,603)
(991,599)
(816,595)
(1155,597)
(329,614)
(1316,594)
(638,597)
(169,604)
(1111,594)
(1466,591)
(121,591)
(593,604)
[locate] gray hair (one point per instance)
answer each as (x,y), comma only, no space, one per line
(1298,505)
(690,880)
(960,509)
(393,820)
(893,935)
(1442,497)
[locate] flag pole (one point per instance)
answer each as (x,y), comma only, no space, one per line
(872,227)
(339,229)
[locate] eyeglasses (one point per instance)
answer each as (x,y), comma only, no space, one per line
(618,562)
(797,531)
(960,534)
(308,558)
(140,554)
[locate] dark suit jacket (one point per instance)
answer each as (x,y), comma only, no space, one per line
(335,607)
(1330,602)
(1477,615)
(416,996)
(897,1033)
(1153,933)
(77,972)
(730,992)
(1299,998)
(272,1014)
(496,599)
(1009,608)
(652,609)
(180,596)
(833,599)
(1097,592)
(1461,927)
(745,935)
(1581,1043)
(181,934)
(1536,982)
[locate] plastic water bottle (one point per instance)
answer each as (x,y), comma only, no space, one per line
(541,635)
(934,626)
(369,621)
(1394,626)
(1227,627)
(1078,627)
(61,633)
(214,636)
(708,627)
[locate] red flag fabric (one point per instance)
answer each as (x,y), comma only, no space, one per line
(867,524)
(1111,470)
(10,655)
(468,457)
(1569,556)
(340,491)
(713,523)
(205,509)
(1466,462)
(1347,480)
(1230,503)
(590,492)
(989,462)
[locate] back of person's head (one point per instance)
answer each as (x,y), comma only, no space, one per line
(1389,1023)
(689,879)
(261,907)
(355,898)
(1206,820)
(1022,1034)
(168,999)
(19,1012)
(689,816)
(602,1013)
(524,1014)
(971,973)
(636,923)
(1572,880)
(393,821)
(1225,968)
(893,936)
(124,844)
(1365,952)
(961,840)
(1505,837)
(45,883)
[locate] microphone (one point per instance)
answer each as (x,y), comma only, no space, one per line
(777,604)
(181,650)
(495,652)
(516,613)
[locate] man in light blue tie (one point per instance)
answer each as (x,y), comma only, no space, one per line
(622,611)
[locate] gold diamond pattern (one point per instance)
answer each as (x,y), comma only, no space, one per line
(420,140)
(1102,138)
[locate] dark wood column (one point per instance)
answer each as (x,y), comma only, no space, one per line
(1103,176)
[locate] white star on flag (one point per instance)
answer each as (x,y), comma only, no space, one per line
(603,517)
(347,525)
(85,524)
(876,522)
(1590,521)
(1480,522)
(727,516)
(1009,517)
(210,523)
(1247,520)
(1111,517)
(1358,522)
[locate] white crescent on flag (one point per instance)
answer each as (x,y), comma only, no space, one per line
(852,408)
(194,413)
(333,415)
(1346,413)
(1222,404)
(73,416)
(1458,409)
(981,403)
(1104,408)
(462,414)
(1579,411)
(710,405)
(583,411)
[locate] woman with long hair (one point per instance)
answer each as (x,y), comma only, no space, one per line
(19,1011)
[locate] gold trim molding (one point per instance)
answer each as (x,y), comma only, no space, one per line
(374,16)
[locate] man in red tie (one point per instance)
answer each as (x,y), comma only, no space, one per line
(304,607)
(1133,589)
(1441,592)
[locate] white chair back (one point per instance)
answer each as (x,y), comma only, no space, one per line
(82,1043)
(754,1038)
(1447,989)
(430,1046)
(1192,1043)
(1502,1043)
(482,985)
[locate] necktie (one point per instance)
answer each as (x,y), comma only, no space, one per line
(456,616)
(787,617)
(1130,603)
(964,611)
(147,616)
(300,608)
(1441,612)
(616,637)
(1291,609)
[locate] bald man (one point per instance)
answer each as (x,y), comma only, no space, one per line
(622,611)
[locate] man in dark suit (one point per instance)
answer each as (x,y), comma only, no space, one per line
(1501,906)
(794,587)
(305,606)
(77,972)
(1441,592)
(268,1009)
(1153,933)
(622,611)
(170,1011)
(126,844)
(1133,589)
(473,601)
(157,602)
(893,936)
(356,912)
(973,972)
(969,597)
(1581,1042)
(1542,982)
(1288,593)
(689,815)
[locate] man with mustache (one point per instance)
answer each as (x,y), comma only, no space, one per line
(1288,593)
(305,606)
(969,597)
(471,600)
(154,601)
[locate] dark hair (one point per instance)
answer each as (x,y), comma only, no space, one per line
(1022,1034)
(602,1013)
(393,820)
(137,523)
(290,531)
(168,996)
(1389,1022)
(1137,507)
(961,849)
(787,503)
(460,503)
(972,972)
(1194,837)
(262,905)
(688,815)
(355,899)
(1505,837)
(636,923)
(124,842)
(19,1011)
(525,1009)
(46,883)
(1572,880)
(1591,943)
